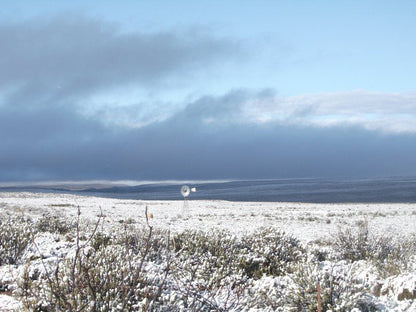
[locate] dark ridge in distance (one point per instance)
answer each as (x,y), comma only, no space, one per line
(311,190)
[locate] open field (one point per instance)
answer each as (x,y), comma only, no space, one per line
(268,256)
(305,221)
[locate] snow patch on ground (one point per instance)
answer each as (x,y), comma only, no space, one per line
(306,221)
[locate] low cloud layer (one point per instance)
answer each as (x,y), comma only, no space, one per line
(198,142)
(388,113)
(385,112)
(61,117)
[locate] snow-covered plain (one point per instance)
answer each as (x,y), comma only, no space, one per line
(306,221)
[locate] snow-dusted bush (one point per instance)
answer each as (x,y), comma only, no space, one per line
(265,294)
(101,240)
(206,273)
(136,239)
(390,254)
(53,224)
(215,270)
(269,252)
(354,243)
(110,279)
(339,290)
(99,275)
(16,233)
(131,267)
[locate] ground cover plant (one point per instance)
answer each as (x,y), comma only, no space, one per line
(16,233)
(78,265)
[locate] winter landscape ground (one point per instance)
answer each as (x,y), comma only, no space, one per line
(61,252)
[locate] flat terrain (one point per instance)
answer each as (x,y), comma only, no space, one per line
(304,220)
(378,284)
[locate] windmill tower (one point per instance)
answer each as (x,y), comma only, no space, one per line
(186,191)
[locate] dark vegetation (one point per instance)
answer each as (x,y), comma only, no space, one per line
(136,268)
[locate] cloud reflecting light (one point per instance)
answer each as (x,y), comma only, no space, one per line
(80,99)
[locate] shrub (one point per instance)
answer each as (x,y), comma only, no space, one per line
(354,244)
(217,264)
(53,224)
(338,290)
(15,235)
(393,255)
(389,255)
(101,240)
(137,241)
(205,269)
(135,268)
(214,255)
(98,276)
(108,279)
(269,252)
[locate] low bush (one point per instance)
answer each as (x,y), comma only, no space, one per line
(205,268)
(98,276)
(389,254)
(269,252)
(354,243)
(53,224)
(338,290)
(137,241)
(108,279)
(16,233)
(137,268)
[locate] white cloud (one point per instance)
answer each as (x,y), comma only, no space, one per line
(382,112)
(386,112)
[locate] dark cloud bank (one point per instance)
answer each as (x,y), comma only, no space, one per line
(60,145)
(48,67)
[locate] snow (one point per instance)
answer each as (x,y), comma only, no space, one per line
(307,221)
(9,303)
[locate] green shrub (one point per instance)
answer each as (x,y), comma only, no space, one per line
(101,240)
(354,243)
(99,276)
(338,290)
(136,268)
(53,224)
(389,254)
(137,241)
(269,252)
(108,279)
(205,267)
(209,256)
(16,233)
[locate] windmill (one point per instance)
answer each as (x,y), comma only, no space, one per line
(186,191)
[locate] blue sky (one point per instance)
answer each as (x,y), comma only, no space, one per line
(206,89)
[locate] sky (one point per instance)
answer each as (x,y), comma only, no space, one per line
(163,90)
